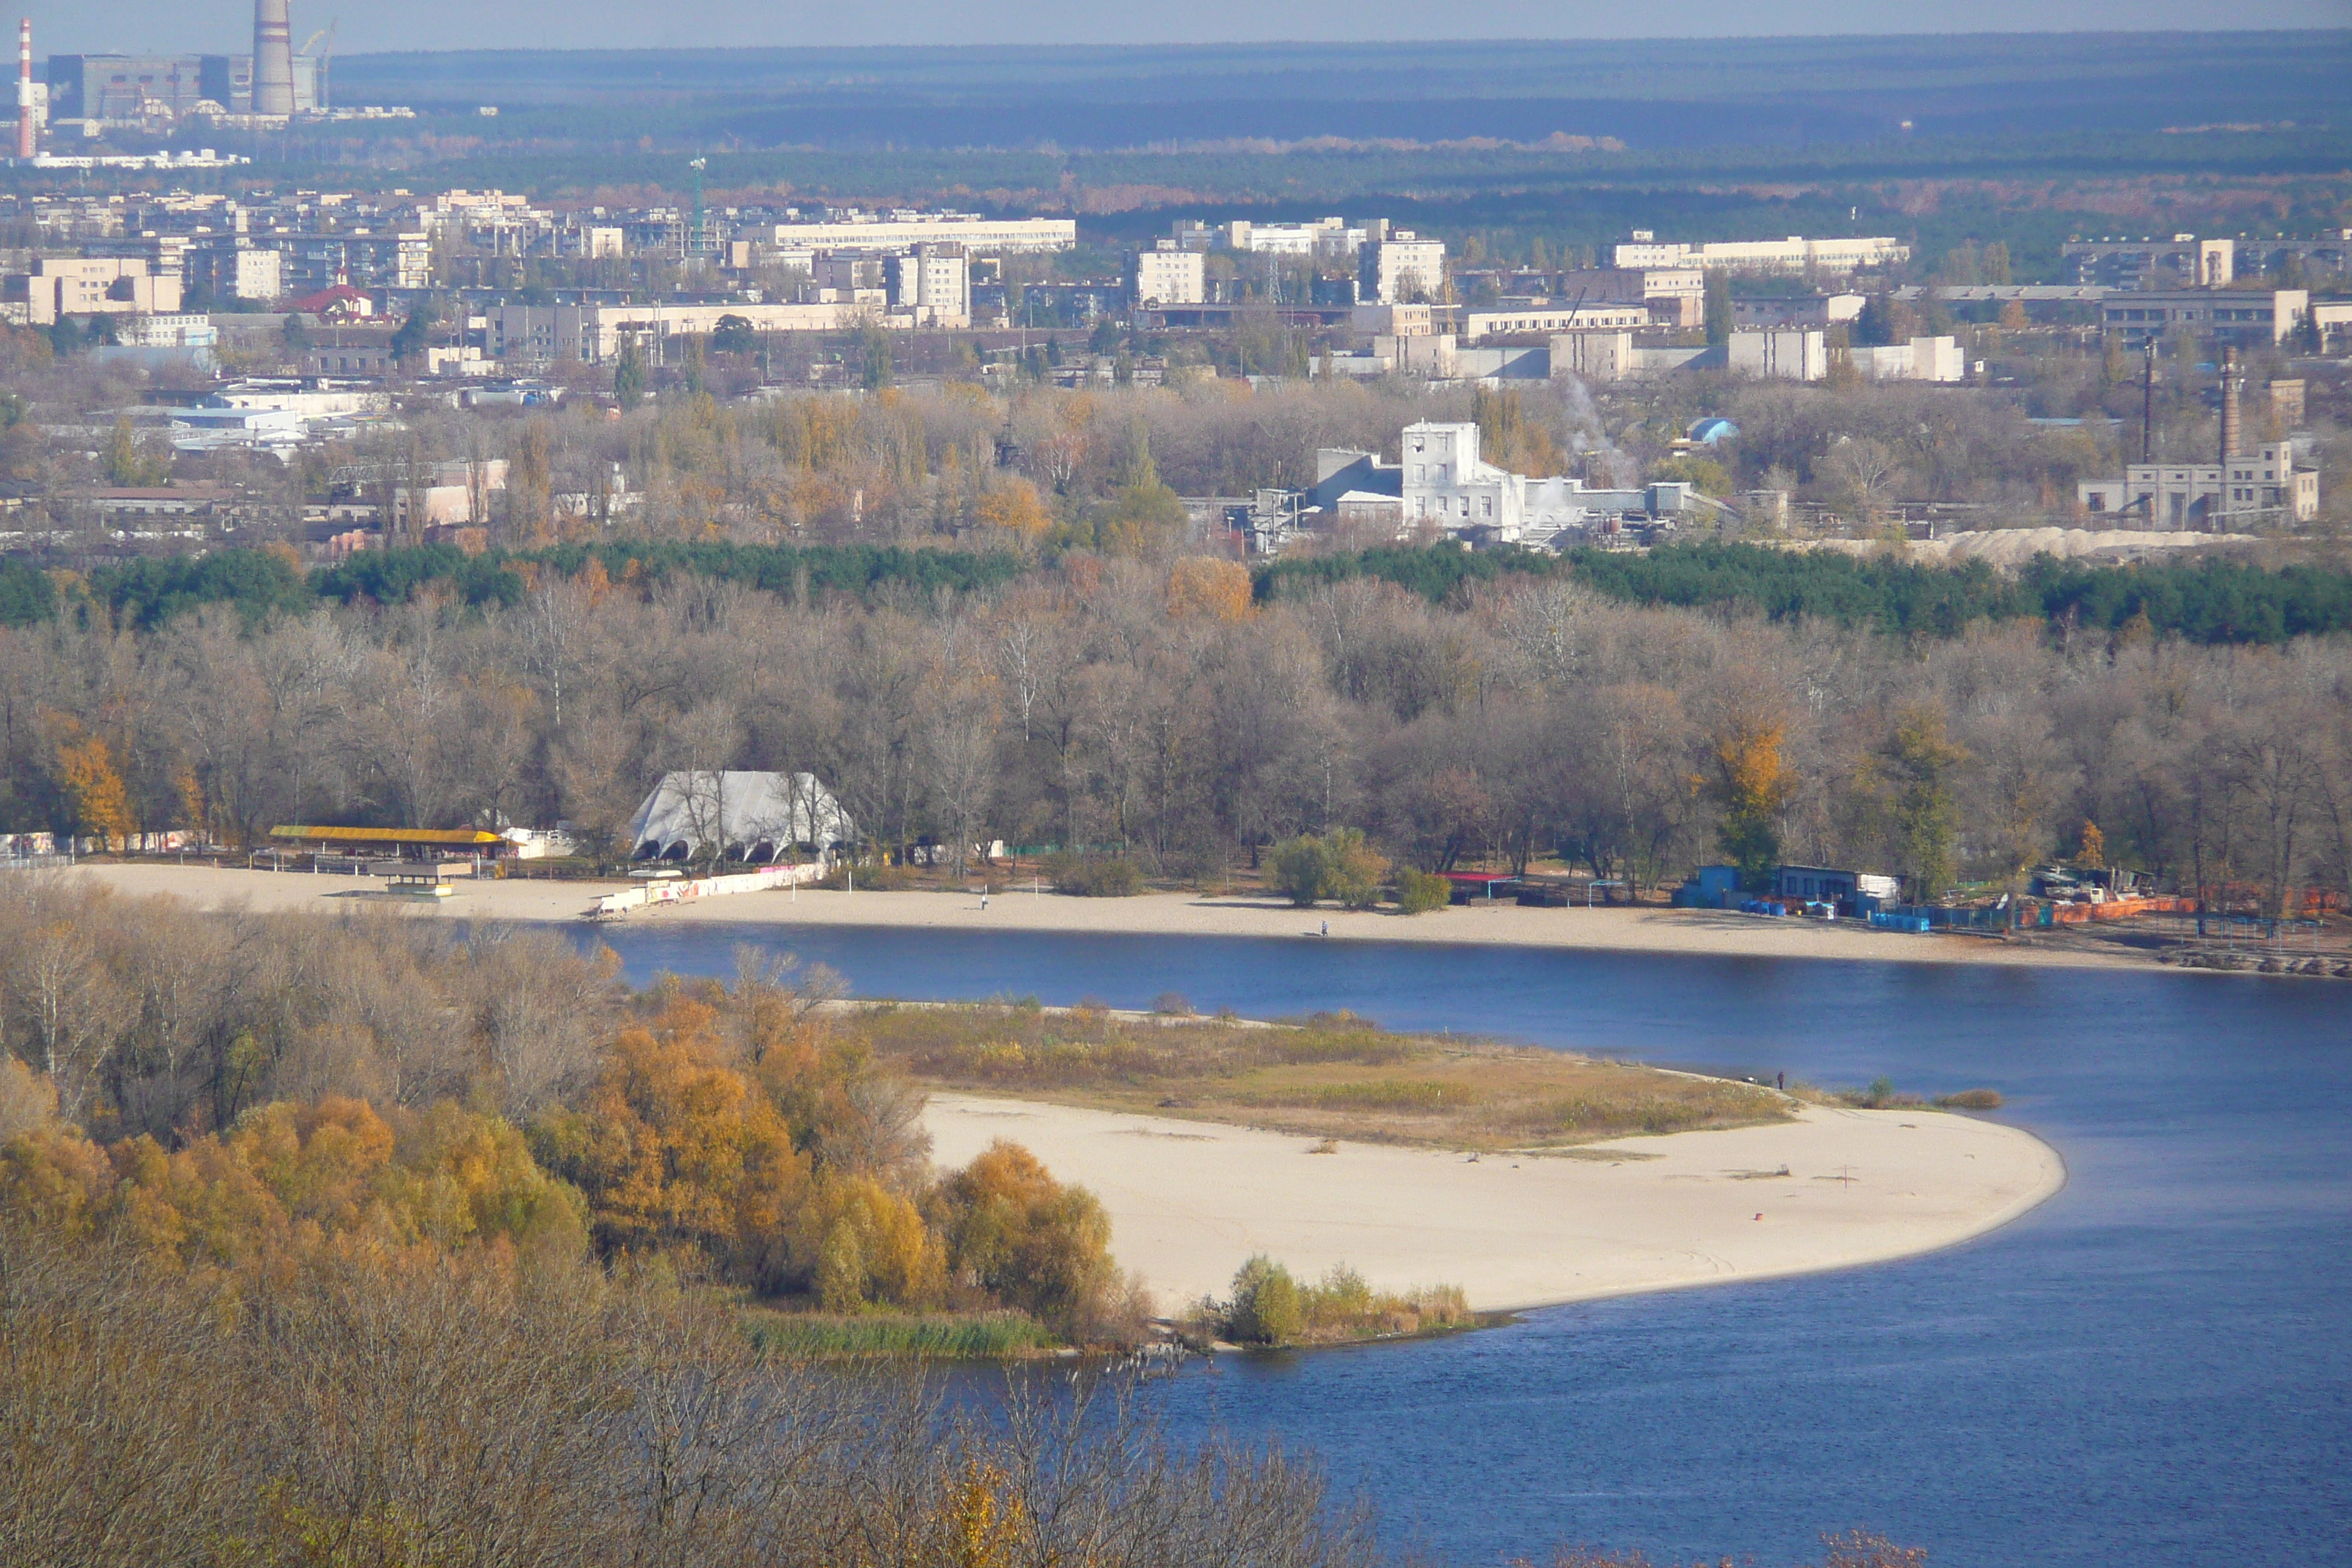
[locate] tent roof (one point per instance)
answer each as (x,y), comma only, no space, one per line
(742,808)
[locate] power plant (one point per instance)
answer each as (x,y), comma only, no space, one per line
(273,57)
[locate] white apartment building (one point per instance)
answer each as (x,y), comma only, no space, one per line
(252,274)
(935,283)
(1166,274)
(1792,254)
(2193,495)
(1403,268)
(901,231)
(1479,325)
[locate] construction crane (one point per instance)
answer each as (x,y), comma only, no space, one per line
(326,60)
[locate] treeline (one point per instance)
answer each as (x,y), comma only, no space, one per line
(1167,708)
(233,1094)
(2208,601)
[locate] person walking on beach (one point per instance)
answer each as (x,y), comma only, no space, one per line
(1327,927)
(983,900)
(1782,1079)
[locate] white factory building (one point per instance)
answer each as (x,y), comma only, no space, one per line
(898,231)
(1793,254)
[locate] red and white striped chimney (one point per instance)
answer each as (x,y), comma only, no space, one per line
(25,88)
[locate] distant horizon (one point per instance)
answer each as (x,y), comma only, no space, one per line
(432,28)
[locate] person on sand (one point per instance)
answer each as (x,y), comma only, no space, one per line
(983,900)
(1327,927)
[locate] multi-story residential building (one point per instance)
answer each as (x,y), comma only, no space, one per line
(1170,275)
(1403,268)
(1793,254)
(2241,317)
(2183,261)
(935,283)
(229,271)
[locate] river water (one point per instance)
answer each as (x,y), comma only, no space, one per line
(2154,1367)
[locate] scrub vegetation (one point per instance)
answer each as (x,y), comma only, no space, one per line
(1330,1075)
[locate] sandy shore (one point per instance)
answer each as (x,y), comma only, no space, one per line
(1150,914)
(1191,1201)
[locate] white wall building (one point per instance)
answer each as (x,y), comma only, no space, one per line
(1792,254)
(1166,274)
(935,283)
(1921,359)
(1479,325)
(1403,268)
(899,231)
(1781,354)
(2248,488)
(2250,318)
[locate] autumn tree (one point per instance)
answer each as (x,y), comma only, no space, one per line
(1752,783)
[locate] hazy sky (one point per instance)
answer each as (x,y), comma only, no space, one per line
(77,25)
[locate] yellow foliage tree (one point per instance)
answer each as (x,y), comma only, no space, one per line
(1752,783)
(1205,586)
(85,773)
(1012,506)
(1017,1233)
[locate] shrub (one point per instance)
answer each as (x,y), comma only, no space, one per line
(1971,1099)
(1266,1309)
(1171,1005)
(1095,876)
(1418,892)
(1340,866)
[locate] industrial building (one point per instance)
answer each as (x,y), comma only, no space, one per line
(1795,309)
(2185,261)
(1675,296)
(57,287)
(1794,254)
(1479,325)
(133,88)
(2239,490)
(902,231)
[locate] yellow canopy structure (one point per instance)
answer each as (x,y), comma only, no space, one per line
(439,837)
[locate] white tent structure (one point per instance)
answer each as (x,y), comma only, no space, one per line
(740,815)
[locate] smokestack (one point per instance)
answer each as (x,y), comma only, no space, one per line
(273,57)
(25,88)
(2233,381)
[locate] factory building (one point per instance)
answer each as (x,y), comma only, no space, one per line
(57,287)
(2246,318)
(2240,489)
(1781,354)
(1479,325)
(902,231)
(125,88)
(1793,254)
(1675,296)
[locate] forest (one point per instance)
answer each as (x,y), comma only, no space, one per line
(1162,711)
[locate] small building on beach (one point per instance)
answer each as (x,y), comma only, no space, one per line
(738,815)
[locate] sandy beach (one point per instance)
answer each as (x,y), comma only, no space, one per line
(1150,914)
(1190,1200)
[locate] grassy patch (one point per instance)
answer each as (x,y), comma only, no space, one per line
(1328,1077)
(963,1336)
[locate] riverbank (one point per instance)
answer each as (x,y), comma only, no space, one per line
(1189,1202)
(1687,931)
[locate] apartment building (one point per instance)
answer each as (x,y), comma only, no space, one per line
(934,283)
(1403,268)
(1169,275)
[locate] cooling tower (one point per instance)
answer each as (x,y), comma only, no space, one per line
(273,57)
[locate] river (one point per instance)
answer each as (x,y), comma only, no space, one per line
(2156,1366)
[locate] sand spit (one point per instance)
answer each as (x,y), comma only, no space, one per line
(1190,1200)
(1710,932)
